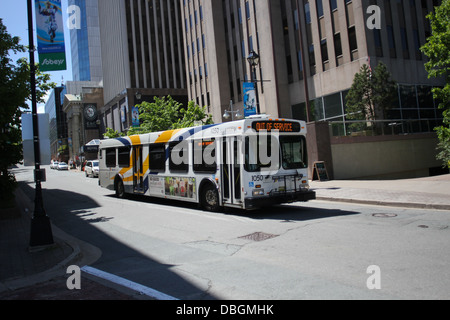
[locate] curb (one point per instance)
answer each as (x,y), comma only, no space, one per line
(25,205)
(387,203)
(83,254)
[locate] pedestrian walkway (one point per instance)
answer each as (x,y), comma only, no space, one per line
(427,193)
(41,275)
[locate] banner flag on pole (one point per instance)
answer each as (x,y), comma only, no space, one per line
(249,98)
(50,35)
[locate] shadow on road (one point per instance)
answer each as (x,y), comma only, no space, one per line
(71,212)
(299,211)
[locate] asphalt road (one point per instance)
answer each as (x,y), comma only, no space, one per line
(315,250)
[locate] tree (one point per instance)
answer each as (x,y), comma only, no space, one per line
(14,92)
(437,50)
(111,133)
(194,115)
(372,94)
(165,114)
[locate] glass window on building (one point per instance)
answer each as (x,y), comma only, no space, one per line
(333,105)
(408,96)
(425,97)
(299,111)
(317,107)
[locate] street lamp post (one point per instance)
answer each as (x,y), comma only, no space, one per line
(41,230)
(253,59)
(231,112)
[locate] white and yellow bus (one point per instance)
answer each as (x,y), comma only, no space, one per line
(243,164)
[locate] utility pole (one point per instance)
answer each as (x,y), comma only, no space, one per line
(41,230)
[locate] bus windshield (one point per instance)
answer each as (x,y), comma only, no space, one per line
(293,152)
(260,155)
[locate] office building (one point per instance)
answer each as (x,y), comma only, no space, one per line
(59,149)
(142,56)
(85,90)
(309,50)
(85,42)
(82,100)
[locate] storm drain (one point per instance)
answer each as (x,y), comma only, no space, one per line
(384,215)
(259,236)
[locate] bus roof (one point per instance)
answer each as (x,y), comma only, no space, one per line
(255,123)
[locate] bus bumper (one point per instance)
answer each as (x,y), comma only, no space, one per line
(258,202)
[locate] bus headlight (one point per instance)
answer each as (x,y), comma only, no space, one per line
(304,188)
(258,192)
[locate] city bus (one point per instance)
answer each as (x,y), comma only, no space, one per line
(247,164)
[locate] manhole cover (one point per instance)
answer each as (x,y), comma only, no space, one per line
(259,236)
(384,215)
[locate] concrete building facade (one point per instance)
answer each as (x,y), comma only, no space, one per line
(87,77)
(142,56)
(82,100)
(309,51)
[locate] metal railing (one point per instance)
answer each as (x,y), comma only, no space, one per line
(382,127)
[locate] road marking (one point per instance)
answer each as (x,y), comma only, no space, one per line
(127,283)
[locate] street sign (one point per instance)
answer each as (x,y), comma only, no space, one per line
(320,171)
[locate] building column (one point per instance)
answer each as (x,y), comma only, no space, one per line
(74,129)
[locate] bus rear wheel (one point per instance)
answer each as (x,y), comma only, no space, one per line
(210,198)
(120,189)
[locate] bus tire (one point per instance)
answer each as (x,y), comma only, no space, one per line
(120,189)
(210,198)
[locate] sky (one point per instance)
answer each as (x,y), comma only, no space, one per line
(15,18)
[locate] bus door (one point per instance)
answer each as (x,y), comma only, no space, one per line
(231,171)
(138,170)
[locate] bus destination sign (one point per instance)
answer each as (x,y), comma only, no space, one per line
(281,126)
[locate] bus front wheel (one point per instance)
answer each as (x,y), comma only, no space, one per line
(210,198)
(120,189)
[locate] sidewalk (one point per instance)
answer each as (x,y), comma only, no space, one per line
(41,275)
(426,193)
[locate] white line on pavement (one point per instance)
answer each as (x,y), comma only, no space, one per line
(127,283)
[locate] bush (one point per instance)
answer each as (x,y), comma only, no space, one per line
(8,185)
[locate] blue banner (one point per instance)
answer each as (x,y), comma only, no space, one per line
(135,117)
(249,99)
(50,35)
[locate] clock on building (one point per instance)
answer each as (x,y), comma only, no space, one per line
(90,112)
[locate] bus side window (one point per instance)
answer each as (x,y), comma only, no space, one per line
(179,157)
(124,157)
(205,156)
(111,157)
(157,157)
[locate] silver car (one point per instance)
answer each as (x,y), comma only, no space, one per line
(63,166)
(91,168)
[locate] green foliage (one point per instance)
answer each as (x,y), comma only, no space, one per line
(63,149)
(437,49)
(371,95)
(7,186)
(166,114)
(111,133)
(193,116)
(358,98)
(14,92)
